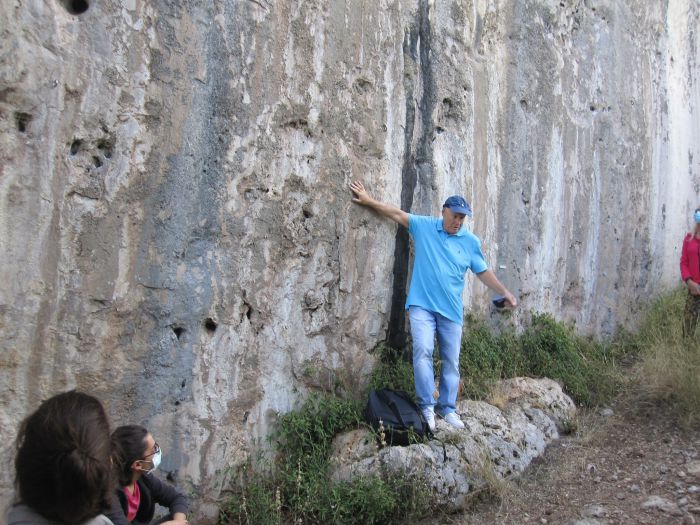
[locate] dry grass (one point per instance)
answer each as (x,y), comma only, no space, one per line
(671,374)
(669,368)
(492,487)
(498,396)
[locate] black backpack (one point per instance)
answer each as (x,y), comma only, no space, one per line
(401,419)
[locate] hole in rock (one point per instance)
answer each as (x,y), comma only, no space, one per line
(184,382)
(23,120)
(76,7)
(177,403)
(210,326)
(75,147)
(299,123)
(97,162)
(178,330)
(307,214)
(106,148)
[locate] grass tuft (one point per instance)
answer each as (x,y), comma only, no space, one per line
(669,367)
(392,370)
(492,487)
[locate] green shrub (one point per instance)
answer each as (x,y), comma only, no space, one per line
(307,433)
(554,350)
(298,489)
(255,500)
(485,358)
(374,500)
(367,500)
(392,371)
(587,370)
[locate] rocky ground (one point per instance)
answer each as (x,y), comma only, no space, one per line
(617,468)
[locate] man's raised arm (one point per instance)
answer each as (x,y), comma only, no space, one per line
(385,210)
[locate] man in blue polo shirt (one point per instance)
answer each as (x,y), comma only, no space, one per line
(444,251)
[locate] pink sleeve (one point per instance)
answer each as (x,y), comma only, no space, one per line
(685,269)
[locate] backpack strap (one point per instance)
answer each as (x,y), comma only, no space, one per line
(444,450)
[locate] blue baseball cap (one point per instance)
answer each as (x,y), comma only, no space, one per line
(457,204)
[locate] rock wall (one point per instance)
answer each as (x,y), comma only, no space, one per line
(176,231)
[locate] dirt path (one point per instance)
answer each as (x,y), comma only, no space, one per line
(616,469)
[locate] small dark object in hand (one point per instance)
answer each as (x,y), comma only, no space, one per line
(499,302)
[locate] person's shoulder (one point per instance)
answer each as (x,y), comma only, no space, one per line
(21,514)
(421,220)
(417,217)
(469,237)
(150,480)
(154,484)
(100,519)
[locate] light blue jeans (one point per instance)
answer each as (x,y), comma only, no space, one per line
(424,325)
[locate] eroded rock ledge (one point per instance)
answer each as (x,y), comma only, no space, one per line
(500,440)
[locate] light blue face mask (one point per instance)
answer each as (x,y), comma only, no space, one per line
(697,216)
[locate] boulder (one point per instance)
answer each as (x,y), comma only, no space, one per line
(497,442)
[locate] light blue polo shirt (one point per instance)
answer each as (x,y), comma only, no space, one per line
(441,261)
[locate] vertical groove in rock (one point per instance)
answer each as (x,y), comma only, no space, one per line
(417,165)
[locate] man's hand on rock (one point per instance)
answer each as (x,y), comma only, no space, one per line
(361,196)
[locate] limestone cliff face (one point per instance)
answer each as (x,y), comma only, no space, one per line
(176,230)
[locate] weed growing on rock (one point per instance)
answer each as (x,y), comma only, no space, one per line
(569,426)
(253,500)
(392,370)
(493,487)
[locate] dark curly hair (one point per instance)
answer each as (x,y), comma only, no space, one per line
(63,467)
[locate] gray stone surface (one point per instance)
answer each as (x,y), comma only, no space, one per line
(663,505)
(176,234)
(496,443)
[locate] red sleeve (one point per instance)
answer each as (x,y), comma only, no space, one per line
(685,269)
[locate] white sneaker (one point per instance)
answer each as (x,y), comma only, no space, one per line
(429,415)
(453,419)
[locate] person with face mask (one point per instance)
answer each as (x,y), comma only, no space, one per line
(690,273)
(136,455)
